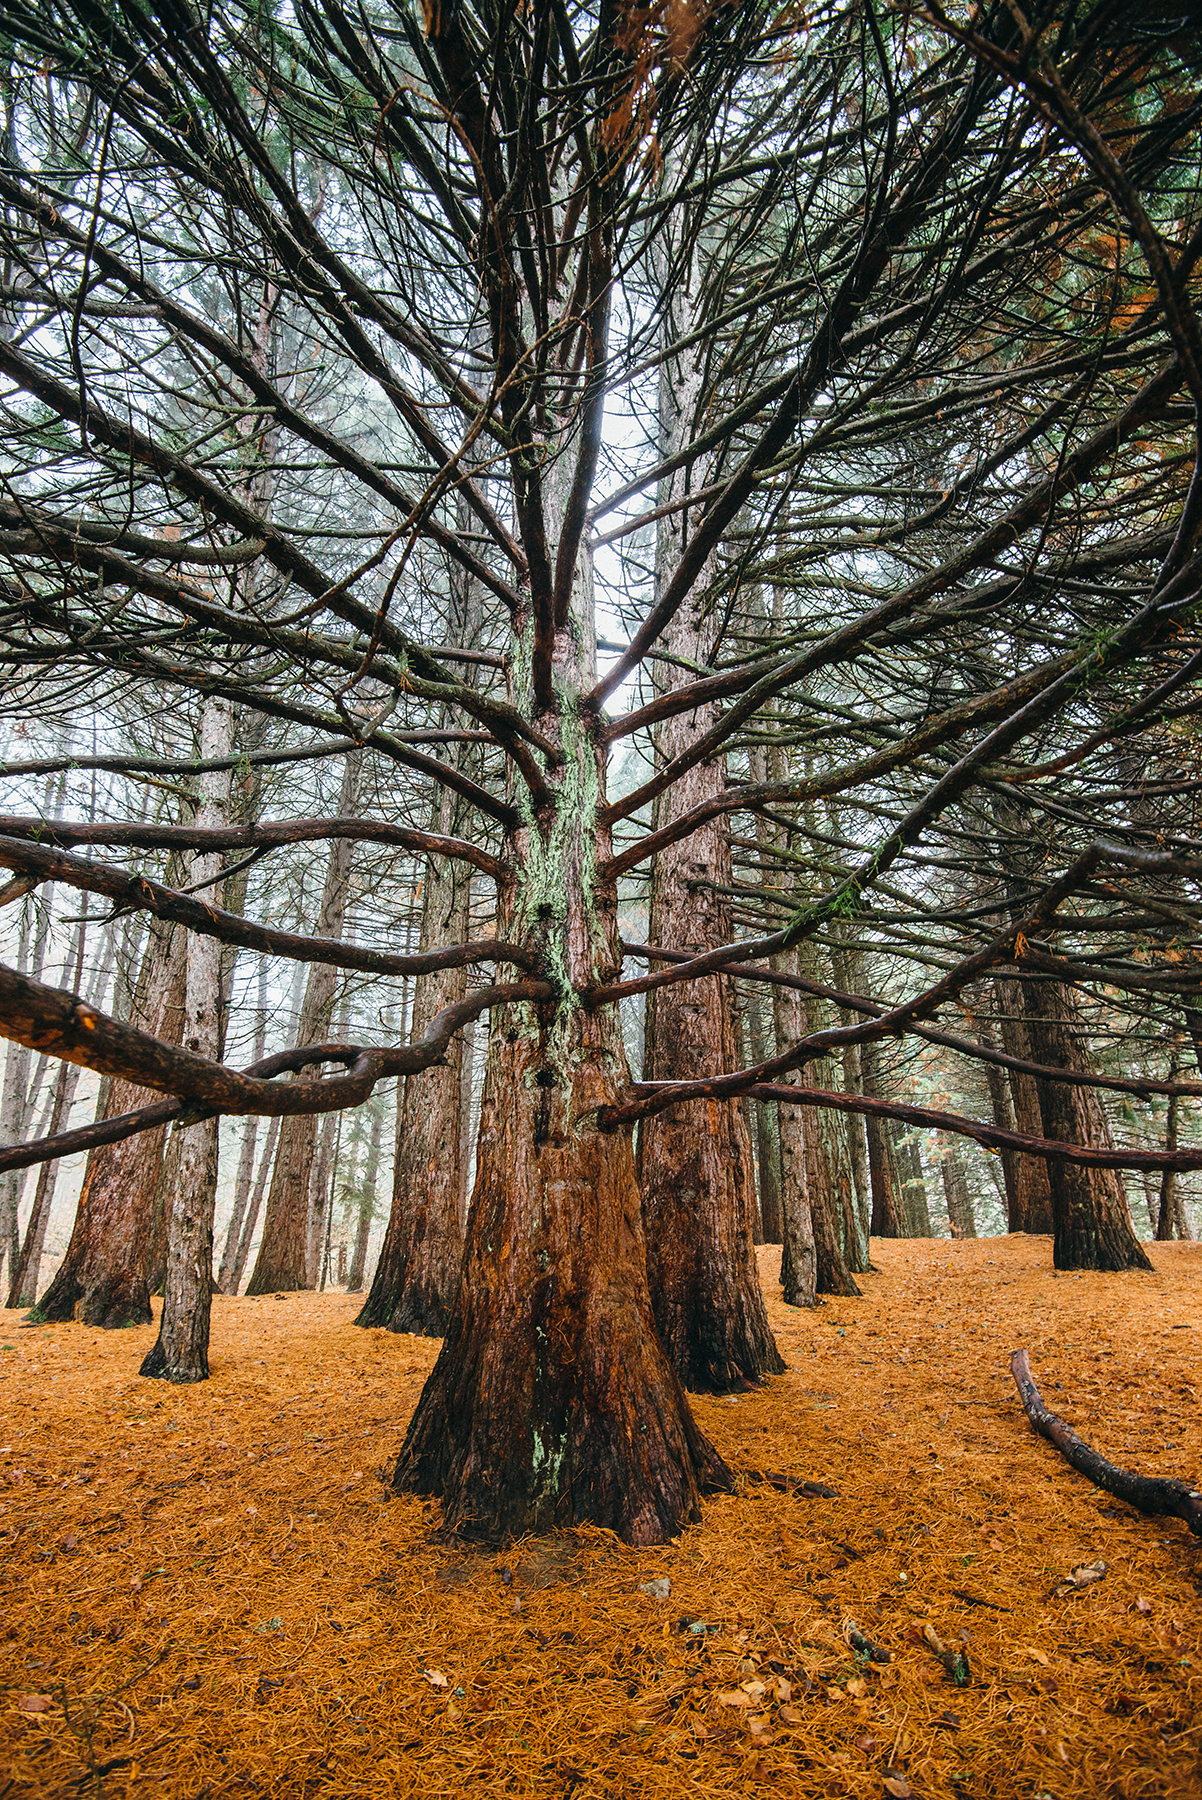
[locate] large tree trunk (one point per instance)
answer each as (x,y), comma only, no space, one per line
(553,1401)
(102,1277)
(181,1352)
(417,1274)
(283,1261)
(1028,1192)
(1091,1221)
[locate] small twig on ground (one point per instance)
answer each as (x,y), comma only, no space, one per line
(1150,1494)
(790,1484)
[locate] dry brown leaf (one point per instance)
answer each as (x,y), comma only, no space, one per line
(783,1689)
(737,1698)
(756,1689)
(791,1715)
(435,1677)
(898,1786)
(760,1727)
(857,1688)
(1039,1657)
(34,1703)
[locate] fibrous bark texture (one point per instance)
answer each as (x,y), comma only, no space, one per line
(1091,1219)
(420,1260)
(695,1162)
(553,1401)
(102,1279)
(1028,1192)
(181,1352)
(286,1253)
(888,1206)
(799,1253)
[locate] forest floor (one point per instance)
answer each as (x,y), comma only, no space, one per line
(208,1592)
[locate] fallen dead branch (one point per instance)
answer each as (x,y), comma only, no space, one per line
(1151,1494)
(789,1484)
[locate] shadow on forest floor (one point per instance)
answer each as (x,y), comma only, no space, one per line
(207,1592)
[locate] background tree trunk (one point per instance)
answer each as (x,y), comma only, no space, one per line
(960,1216)
(888,1205)
(695,1162)
(226,1281)
(367,1195)
(283,1261)
(181,1353)
(1091,1220)
(1031,1206)
(418,1270)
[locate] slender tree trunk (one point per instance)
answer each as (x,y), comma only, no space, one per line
(246,1159)
(1169,1207)
(767,1140)
(367,1195)
(418,1270)
(916,1206)
(1031,1207)
(283,1261)
(839,1255)
(14,1113)
(28,1273)
(325,1140)
(1002,1107)
(960,1217)
(799,1249)
(1092,1223)
(181,1353)
(888,1207)
(266,1164)
(695,1162)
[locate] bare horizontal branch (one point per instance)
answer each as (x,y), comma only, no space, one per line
(137,893)
(270,834)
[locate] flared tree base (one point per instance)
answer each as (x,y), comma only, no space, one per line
(553,1402)
(110,1304)
(156,1366)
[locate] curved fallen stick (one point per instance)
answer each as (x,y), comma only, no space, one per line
(1151,1494)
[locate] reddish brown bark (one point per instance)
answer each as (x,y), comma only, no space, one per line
(285,1252)
(1028,1194)
(694,1161)
(1091,1219)
(553,1401)
(102,1279)
(888,1207)
(417,1274)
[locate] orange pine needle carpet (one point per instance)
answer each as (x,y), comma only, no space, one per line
(208,1592)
